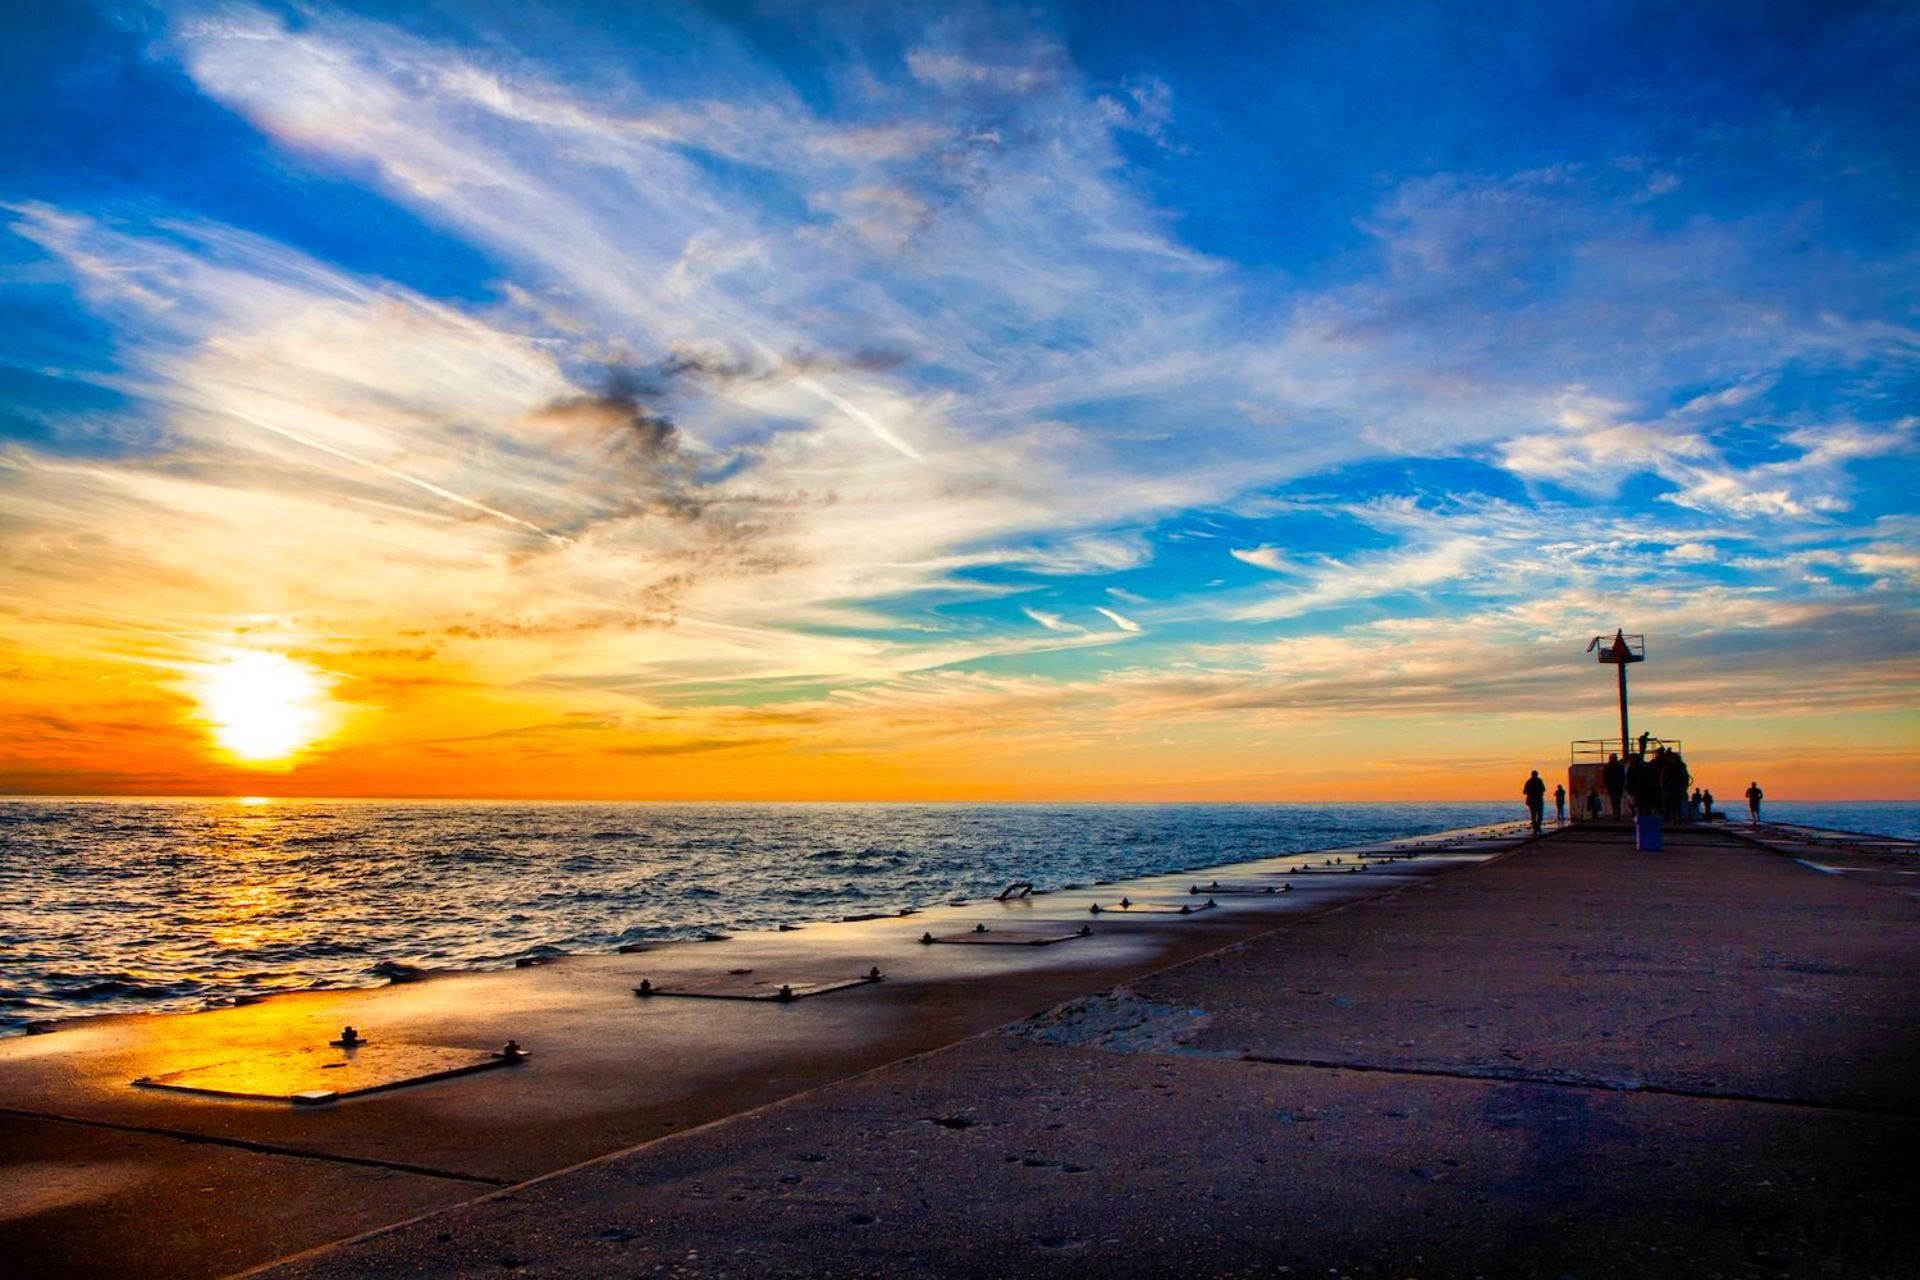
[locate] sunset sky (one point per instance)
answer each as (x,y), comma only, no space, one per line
(876,401)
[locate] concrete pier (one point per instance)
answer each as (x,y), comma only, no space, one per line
(1571,1060)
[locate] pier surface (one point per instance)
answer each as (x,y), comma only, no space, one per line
(1573,1059)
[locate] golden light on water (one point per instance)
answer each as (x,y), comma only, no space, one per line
(264,708)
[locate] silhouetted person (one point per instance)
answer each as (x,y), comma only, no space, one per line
(1643,791)
(1706,804)
(1754,797)
(1643,743)
(1559,803)
(1674,780)
(1593,805)
(1652,798)
(1614,777)
(1694,812)
(1536,793)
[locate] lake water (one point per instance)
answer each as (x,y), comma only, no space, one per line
(112,905)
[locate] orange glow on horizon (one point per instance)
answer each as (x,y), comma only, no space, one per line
(316,719)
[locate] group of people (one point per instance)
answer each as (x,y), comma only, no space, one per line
(1649,785)
(1656,784)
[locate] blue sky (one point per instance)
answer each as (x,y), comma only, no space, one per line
(982,390)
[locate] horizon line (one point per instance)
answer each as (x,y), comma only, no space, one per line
(534,799)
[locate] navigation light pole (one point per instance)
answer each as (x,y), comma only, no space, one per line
(1620,651)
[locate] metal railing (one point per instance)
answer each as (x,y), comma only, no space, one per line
(1587,750)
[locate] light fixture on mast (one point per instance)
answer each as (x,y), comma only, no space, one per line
(1621,650)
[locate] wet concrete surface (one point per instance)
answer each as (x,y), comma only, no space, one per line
(608,1070)
(1576,1061)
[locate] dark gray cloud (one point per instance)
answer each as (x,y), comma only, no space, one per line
(639,463)
(642,469)
(643,464)
(624,414)
(719,365)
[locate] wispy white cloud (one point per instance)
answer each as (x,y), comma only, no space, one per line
(1443,562)
(1053,621)
(1272,558)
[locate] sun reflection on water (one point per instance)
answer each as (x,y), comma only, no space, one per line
(252,915)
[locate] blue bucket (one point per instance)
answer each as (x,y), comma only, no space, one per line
(1646,833)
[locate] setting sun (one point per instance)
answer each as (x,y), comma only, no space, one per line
(264,708)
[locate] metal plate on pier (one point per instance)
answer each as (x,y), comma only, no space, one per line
(982,936)
(1127,908)
(324,1073)
(1217,887)
(749,985)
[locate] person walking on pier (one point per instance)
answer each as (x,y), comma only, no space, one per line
(1560,804)
(1706,804)
(1536,793)
(1754,797)
(1614,776)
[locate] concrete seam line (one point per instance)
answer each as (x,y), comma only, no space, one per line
(1756,841)
(1751,841)
(1765,845)
(258,1148)
(1494,1075)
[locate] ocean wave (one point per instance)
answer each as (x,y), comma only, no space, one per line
(176,904)
(123,986)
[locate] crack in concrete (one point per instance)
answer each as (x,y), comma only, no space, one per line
(1592,1083)
(259,1148)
